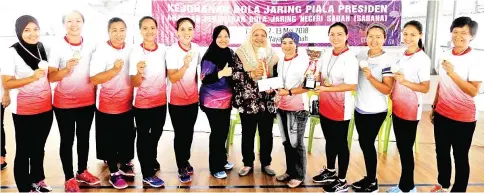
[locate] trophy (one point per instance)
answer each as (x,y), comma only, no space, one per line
(310,76)
(262,56)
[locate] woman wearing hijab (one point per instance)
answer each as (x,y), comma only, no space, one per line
(215,97)
(255,59)
(293,110)
(24,74)
(73,99)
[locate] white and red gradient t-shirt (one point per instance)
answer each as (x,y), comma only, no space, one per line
(184,91)
(368,99)
(114,96)
(406,103)
(74,90)
(152,91)
(31,99)
(292,73)
(452,102)
(342,69)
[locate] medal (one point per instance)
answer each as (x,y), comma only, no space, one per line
(76,55)
(44,65)
(363,64)
(327,83)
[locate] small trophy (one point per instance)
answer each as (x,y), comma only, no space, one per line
(310,79)
(314,54)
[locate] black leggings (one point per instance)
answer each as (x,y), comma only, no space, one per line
(405,133)
(72,123)
(262,121)
(3,150)
(336,135)
(115,134)
(183,119)
(31,132)
(458,136)
(219,120)
(149,127)
(368,126)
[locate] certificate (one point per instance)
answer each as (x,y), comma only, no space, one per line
(270,83)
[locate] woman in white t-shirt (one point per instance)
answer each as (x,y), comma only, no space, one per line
(412,81)
(148,75)
(375,82)
(24,73)
(5,101)
(454,109)
(114,120)
(74,99)
(182,62)
(339,76)
(292,113)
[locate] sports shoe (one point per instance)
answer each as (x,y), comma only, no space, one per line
(184,177)
(337,186)
(228,166)
(189,169)
(154,181)
(394,189)
(360,183)
(87,178)
(220,175)
(127,170)
(117,181)
(438,188)
(71,186)
(325,176)
(370,186)
(42,186)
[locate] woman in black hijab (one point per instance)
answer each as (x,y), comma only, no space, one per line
(215,97)
(24,73)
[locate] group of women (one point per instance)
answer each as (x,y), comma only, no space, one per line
(129,88)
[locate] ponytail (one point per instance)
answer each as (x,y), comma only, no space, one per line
(420,44)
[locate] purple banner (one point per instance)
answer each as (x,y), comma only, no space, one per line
(310,19)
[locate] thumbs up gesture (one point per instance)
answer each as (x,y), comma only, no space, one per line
(227,71)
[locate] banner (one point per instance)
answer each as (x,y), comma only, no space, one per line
(310,19)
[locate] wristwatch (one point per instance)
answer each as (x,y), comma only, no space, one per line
(290,93)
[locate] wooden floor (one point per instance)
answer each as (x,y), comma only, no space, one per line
(388,165)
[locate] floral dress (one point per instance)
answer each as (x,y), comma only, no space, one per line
(247,98)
